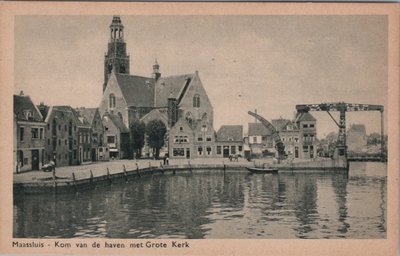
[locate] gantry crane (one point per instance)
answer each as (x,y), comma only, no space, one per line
(342,108)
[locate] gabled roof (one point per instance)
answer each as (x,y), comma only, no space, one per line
(171,87)
(304,116)
(230,133)
(137,91)
(280,123)
(87,113)
(155,114)
(258,129)
(117,122)
(23,104)
(62,112)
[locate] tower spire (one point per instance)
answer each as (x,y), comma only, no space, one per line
(116,57)
(156,70)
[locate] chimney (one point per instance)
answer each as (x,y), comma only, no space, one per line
(172,111)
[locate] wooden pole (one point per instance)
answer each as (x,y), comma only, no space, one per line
(108,175)
(74,181)
(137,170)
(91,178)
(125,174)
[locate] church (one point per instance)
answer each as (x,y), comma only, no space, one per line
(174,98)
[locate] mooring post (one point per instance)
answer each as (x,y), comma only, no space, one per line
(74,180)
(54,179)
(173,172)
(125,174)
(190,166)
(108,175)
(224,168)
(91,178)
(137,170)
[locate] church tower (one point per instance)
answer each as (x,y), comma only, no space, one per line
(116,57)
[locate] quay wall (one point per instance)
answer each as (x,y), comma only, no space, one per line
(72,184)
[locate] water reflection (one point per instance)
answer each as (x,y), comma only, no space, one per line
(213,205)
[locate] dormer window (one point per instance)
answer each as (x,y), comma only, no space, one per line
(28,114)
(112,100)
(196,101)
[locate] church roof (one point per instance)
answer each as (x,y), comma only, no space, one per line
(137,90)
(23,104)
(171,86)
(155,114)
(117,122)
(258,129)
(230,133)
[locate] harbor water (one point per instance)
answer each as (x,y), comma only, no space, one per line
(214,204)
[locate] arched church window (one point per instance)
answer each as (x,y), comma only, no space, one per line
(112,100)
(196,101)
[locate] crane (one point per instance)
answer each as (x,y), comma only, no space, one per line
(342,108)
(280,147)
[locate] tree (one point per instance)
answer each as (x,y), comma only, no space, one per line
(155,131)
(136,132)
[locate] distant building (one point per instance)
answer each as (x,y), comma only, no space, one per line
(229,141)
(61,135)
(356,137)
(188,139)
(298,136)
(307,126)
(260,140)
(30,134)
(116,136)
(99,151)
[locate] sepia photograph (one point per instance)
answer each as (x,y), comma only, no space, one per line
(154,130)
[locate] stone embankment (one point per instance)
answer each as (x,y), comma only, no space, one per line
(79,178)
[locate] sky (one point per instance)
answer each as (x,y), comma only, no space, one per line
(264,62)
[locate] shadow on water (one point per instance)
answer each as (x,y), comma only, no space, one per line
(213,205)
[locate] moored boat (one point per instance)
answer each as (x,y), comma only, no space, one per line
(262,170)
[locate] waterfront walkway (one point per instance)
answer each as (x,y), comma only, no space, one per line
(117,166)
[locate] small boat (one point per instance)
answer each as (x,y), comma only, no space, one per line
(262,170)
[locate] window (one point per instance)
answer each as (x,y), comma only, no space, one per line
(178,152)
(110,139)
(305,148)
(48,126)
(283,139)
(94,136)
(59,127)
(219,151)
(35,133)
(48,141)
(311,125)
(21,157)
(74,142)
(28,114)
(65,142)
(305,125)
(181,128)
(200,139)
(59,142)
(112,100)
(200,151)
(255,139)
(21,133)
(204,128)
(65,127)
(54,128)
(196,101)
(296,139)
(208,151)
(240,148)
(25,160)
(208,138)
(41,133)
(233,150)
